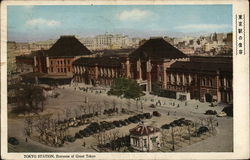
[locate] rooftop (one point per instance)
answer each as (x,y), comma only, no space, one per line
(157,47)
(68,46)
(202,66)
(142,130)
(99,61)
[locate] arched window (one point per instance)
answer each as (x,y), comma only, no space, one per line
(203,82)
(210,82)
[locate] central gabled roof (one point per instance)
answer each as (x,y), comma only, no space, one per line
(157,48)
(68,46)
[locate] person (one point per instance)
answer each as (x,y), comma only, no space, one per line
(158,145)
(197,106)
(168,113)
(26,139)
(178,106)
(217,124)
(185,103)
(83,144)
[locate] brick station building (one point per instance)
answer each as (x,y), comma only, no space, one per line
(148,64)
(55,64)
(58,59)
(156,65)
(161,69)
(98,70)
(205,78)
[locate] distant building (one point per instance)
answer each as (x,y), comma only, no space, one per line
(109,41)
(188,51)
(25,63)
(169,40)
(145,138)
(229,40)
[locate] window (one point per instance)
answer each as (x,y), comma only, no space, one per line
(210,83)
(222,82)
(229,83)
(51,69)
(61,61)
(51,62)
(58,62)
(68,69)
(65,70)
(181,80)
(58,69)
(145,143)
(203,82)
(68,61)
(187,80)
(61,69)
(174,78)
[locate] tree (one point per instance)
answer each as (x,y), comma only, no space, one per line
(30,98)
(173,138)
(127,88)
(28,126)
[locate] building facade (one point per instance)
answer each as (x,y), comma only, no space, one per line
(161,69)
(206,79)
(145,138)
(56,62)
(156,65)
(98,71)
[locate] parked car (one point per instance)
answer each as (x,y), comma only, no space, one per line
(210,112)
(140,116)
(148,115)
(133,119)
(127,121)
(123,123)
(187,122)
(117,123)
(13,141)
(69,138)
(221,114)
(112,126)
(105,125)
(165,126)
(202,130)
(152,106)
(172,124)
(178,122)
(89,131)
(78,135)
(72,139)
(156,113)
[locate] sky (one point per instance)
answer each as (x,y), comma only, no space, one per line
(36,23)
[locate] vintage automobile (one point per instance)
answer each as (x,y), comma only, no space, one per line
(221,114)
(13,141)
